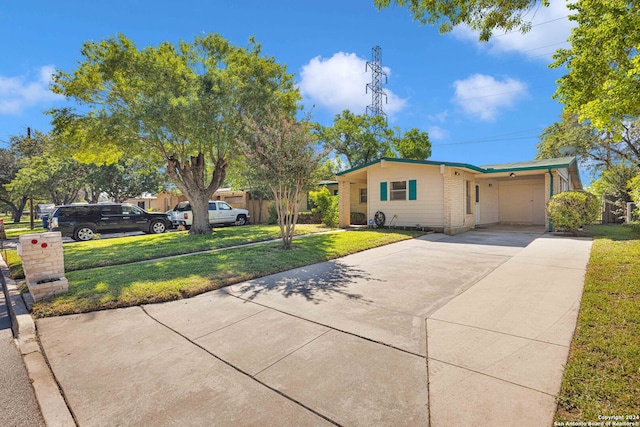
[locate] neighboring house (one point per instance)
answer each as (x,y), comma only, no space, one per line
(455,197)
(160,202)
(242,199)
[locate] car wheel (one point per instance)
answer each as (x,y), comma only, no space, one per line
(84,233)
(157,227)
(241,220)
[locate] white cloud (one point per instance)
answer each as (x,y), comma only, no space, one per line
(339,83)
(18,93)
(549,32)
(436,133)
(484,96)
(440,117)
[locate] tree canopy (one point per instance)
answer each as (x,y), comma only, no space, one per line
(361,139)
(126,179)
(483,16)
(182,105)
(598,150)
(603,80)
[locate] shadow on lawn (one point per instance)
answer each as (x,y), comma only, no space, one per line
(315,283)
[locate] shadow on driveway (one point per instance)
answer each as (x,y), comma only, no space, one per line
(315,283)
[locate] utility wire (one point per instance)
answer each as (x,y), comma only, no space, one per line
(536,25)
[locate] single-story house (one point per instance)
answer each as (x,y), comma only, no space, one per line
(455,197)
(160,202)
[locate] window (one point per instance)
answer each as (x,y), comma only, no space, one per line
(131,210)
(212,206)
(225,207)
(141,205)
(110,210)
(468,194)
(398,190)
(363,195)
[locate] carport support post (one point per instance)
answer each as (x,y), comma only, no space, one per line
(344,203)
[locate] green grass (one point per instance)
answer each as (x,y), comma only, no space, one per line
(602,376)
(123,250)
(14,263)
(14,230)
(175,278)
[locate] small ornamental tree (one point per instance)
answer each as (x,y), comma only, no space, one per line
(281,155)
(570,210)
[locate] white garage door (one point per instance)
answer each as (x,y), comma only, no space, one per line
(522,201)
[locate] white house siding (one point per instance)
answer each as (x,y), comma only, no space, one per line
(489,201)
(522,201)
(426,210)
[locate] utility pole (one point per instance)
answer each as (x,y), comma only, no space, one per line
(31,223)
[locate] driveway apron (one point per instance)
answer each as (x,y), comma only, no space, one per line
(343,342)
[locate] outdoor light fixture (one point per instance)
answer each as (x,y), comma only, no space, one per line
(512,175)
(456,173)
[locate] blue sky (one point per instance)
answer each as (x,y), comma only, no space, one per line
(480,103)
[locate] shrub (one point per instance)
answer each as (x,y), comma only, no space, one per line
(571,210)
(272,218)
(326,205)
(309,218)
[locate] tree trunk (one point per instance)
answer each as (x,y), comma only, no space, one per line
(286,201)
(200,209)
(260,203)
(18,210)
(189,178)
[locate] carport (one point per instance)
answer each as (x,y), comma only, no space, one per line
(517,193)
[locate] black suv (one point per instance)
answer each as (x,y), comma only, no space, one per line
(83,220)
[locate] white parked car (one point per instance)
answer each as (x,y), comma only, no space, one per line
(219,213)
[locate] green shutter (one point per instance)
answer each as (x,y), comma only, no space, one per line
(412,189)
(383,191)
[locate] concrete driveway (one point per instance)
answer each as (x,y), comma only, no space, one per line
(343,342)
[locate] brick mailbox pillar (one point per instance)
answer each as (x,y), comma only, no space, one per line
(43,264)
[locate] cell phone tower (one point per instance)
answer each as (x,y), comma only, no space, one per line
(377,93)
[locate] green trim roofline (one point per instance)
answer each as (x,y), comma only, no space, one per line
(546,164)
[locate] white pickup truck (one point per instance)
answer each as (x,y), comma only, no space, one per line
(219,213)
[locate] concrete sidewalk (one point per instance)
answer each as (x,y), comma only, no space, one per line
(471,329)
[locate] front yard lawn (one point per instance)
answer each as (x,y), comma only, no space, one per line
(175,278)
(602,377)
(14,230)
(122,250)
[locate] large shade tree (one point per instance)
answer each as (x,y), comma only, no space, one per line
(602,83)
(597,150)
(361,139)
(9,167)
(34,170)
(183,106)
(126,179)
